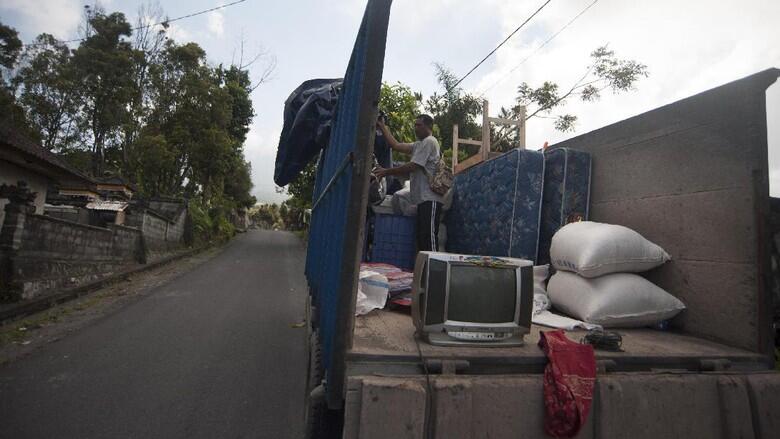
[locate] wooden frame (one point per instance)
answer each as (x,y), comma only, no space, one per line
(485,144)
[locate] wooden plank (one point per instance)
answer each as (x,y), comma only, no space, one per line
(454,147)
(485,150)
(501,120)
(521,129)
(470,142)
(469,162)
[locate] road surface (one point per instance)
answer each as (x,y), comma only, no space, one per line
(212,354)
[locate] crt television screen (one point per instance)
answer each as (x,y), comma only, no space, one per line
(482,294)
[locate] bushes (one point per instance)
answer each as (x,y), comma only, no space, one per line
(208,225)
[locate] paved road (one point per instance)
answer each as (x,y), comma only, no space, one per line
(212,354)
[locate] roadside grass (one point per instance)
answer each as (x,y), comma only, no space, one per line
(21,331)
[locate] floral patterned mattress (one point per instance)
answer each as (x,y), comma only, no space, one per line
(496,207)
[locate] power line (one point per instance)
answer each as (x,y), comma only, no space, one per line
(499,46)
(538,48)
(162,23)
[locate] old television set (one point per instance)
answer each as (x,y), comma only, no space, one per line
(472,300)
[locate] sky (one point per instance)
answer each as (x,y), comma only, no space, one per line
(688,46)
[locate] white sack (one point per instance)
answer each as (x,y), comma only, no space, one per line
(541,273)
(594,249)
(541,301)
(613,300)
(372,292)
(402,203)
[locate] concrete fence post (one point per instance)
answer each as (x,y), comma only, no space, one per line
(19,205)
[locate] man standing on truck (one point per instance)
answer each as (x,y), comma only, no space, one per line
(425,158)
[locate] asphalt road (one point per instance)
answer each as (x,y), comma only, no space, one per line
(211,354)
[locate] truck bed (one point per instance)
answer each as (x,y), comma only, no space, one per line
(385,342)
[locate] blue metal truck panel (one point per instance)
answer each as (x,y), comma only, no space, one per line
(340,196)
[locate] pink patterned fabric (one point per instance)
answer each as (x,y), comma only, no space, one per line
(568,383)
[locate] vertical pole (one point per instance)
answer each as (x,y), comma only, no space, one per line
(521,128)
(454,147)
(485,130)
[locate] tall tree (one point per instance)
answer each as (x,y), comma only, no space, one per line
(11,112)
(49,92)
(148,42)
(10,46)
(454,106)
(401,105)
(104,63)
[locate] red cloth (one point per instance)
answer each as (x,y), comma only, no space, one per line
(568,383)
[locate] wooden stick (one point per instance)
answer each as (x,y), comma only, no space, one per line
(455,141)
(485,150)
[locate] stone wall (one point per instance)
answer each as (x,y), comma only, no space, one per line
(53,253)
(161,234)
(40,254)
(70,213)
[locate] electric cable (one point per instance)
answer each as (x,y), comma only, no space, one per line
(499,46)
(547,41)
(162,23)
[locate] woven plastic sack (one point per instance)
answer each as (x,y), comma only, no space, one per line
(593,249)
(614,300)
(372,292)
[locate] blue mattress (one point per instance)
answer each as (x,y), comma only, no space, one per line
(566,193)
(496,207)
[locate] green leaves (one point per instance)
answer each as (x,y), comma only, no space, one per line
(605,72)
(401,105)
(10,46)
(155,112)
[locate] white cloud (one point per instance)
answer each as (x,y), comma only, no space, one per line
(178,33)
(216,23)
(57,17)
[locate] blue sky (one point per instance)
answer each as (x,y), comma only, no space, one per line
(688,46)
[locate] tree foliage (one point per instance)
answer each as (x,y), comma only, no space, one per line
(605,72)
(49,89)
(401,106)
(454,106)
(139,105)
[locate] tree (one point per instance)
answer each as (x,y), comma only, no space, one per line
(49,92)
(237,84)
(147,44)
(605,72)
(301,190)
(103,63)
(454,106)
(10,111)
(401,106)
(10,46)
